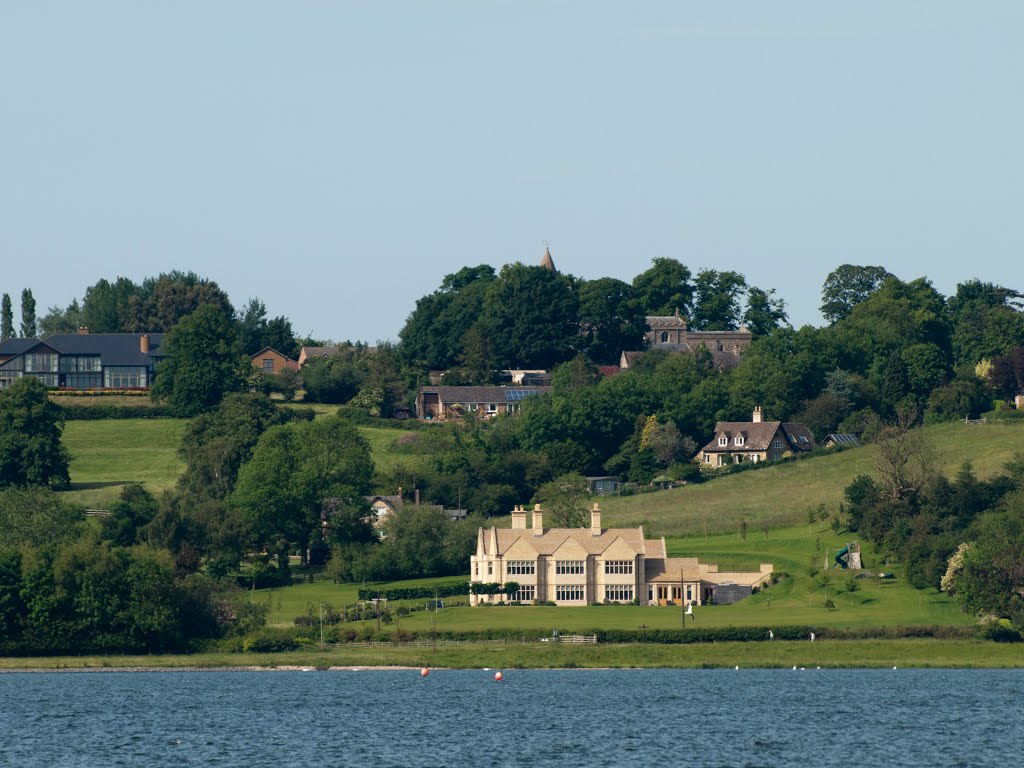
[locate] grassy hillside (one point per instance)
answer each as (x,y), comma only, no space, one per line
(781,495)
(107,454)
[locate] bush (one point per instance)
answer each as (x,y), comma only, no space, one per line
(1000,631)
(270,641)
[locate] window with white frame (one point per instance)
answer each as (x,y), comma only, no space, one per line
(492,407)
(707,458)
(569,567)
(723,441)
(569,592)
(521,567)
(490,569)
(754,458)
(776,443)
(738,440)
(618,566)
(41,362)
(527,594)
(618,593)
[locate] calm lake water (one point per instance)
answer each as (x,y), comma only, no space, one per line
(464,718)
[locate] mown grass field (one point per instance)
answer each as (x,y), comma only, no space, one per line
(780,495)
(925,653)
(107,454)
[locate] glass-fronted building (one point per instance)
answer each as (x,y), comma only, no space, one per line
(83,360)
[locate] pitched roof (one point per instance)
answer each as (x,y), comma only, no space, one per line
(319,351)
(842,439)
(546,261)
(757,436)
(485,394)
(17,346)
(553,538)
(113,348)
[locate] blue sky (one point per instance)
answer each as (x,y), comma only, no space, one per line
(337,158)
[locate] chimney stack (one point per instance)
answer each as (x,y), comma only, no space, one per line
(518,518)
(538,520)
(595,520)
(144,343)
(417,498)
(757,414)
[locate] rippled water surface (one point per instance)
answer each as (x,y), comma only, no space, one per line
(464,718)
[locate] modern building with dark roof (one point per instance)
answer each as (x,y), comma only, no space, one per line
(842,440)
(440,403)
(83,360)
(738,441)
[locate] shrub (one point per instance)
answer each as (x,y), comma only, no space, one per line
(1000,631)
(270,641)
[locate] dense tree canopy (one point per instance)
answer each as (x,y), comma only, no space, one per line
(31,452)
(846,287)
(6,317)
(664,289)
(294,469)
(203,363)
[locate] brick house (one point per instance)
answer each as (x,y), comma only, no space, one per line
(441,403)
(269,360)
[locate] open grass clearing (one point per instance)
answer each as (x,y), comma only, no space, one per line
(780,495)
(107,454)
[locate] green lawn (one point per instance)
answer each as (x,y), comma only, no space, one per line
(106,454)
(780,495)
(288,602)
(383,444)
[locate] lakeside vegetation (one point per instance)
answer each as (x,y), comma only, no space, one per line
(844,654)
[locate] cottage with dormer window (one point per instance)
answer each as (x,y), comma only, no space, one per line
(755,441)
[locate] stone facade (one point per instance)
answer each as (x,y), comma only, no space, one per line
(579,566)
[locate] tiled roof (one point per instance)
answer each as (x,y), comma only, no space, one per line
(485,394)
(552,538)
(113,348)
(319,351)
(758,436)
(17,346)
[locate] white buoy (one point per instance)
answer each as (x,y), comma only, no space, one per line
(737,666)
(498,676)
(424,672)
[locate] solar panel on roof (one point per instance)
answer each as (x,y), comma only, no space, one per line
(515,395)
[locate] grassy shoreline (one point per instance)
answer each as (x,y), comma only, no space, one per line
(836,654)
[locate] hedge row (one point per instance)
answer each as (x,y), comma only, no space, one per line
(416,593)
(108,411)
(281,639)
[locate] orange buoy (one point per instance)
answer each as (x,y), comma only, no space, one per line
(424,672)
(498,676)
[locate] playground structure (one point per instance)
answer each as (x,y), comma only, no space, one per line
(849,557)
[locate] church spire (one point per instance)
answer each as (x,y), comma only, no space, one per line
(547,262)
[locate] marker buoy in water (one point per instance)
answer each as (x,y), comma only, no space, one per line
(498,676)
(424,672)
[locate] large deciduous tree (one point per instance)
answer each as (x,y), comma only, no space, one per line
(765,311)
(203,362)
(30,428)
(717,300)
(846,287)
(664,288)
(611,319)
(293,471)
(987,321)
(530,313)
